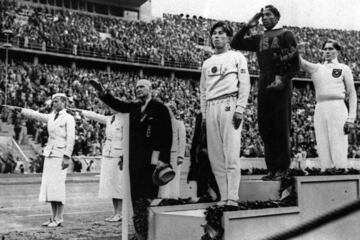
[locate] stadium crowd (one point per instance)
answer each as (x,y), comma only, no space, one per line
(32,86)
(174,40)
(26,88)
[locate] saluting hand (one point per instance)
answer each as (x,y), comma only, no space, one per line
(255,19)
(237,118)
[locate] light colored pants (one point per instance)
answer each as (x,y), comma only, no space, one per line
(224,142)
(332,143)
(172,189)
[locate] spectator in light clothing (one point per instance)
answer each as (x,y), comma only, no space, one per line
(111,175)
(177,154)
(58,151)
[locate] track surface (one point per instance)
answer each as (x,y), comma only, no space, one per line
(21,214)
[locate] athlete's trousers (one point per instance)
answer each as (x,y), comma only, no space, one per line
(274,114)
(224,142)
(332,143)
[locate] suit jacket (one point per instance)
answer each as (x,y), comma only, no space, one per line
(150,130)
(61,132)
(113,146)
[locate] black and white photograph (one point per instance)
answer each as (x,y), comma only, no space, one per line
(179,120)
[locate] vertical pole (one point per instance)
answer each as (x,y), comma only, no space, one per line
(126,203)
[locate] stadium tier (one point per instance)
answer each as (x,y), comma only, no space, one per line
(173,40)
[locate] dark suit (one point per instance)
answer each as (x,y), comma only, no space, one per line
(150,130)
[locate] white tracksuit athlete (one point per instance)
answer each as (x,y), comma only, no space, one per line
(332,81)
(224,89)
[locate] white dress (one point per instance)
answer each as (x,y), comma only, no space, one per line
(60,142)
(111,177)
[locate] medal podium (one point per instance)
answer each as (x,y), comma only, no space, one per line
(316,195)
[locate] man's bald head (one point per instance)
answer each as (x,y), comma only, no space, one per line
(144,82)
(143,89)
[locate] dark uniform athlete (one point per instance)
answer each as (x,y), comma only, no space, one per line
(278,59)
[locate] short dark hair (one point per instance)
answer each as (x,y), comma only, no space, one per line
(335,44)
(227,29)
(274,10)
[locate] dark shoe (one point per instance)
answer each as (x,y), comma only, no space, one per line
(279,175)
(133,237)
(268,177)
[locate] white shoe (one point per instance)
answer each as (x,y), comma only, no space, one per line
(221,203)
(109,218)
(56,223)
(116,218)
(231,202)
(45,224)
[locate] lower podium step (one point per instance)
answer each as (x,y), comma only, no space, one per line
(317,195)
(184,221)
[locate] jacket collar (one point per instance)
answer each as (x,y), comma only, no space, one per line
(334,61)
(61,111)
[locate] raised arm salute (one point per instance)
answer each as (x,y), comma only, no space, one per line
(57,152)
(111,175)
(150,143)
(333,81)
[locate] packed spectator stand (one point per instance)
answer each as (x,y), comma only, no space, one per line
(173,41)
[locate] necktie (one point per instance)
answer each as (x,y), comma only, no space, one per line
(113,119)
(56,115)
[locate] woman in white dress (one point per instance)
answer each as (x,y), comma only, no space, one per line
(58,150)
(111,176)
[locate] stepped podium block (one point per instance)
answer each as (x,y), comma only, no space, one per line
(316,195)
